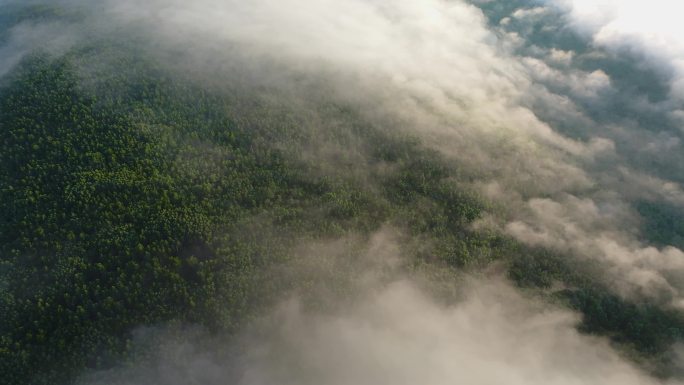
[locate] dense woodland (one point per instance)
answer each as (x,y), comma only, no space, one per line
(140,198)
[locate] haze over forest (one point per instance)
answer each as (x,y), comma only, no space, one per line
(293,192)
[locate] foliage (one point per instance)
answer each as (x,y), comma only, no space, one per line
(132,197)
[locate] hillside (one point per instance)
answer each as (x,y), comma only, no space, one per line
(135,196)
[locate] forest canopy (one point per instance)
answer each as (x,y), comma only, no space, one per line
(145,194)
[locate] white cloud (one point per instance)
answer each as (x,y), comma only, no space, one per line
(399,335)
(437,67)
(528,12)
(653,28)
(432,63)
(603,231)
(559,56)
(580,84)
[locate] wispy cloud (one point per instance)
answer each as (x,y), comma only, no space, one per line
(391,331)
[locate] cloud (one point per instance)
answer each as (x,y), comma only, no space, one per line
(434,69)
(394,327)
(584,85)
(560,56)
(397,334)
(653,29)
(647,187)
(54,38)
(631,140)
(434,66)
(581,227)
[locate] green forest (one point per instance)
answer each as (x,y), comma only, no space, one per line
(130,196)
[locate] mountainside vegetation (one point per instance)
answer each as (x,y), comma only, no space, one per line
(137,197)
